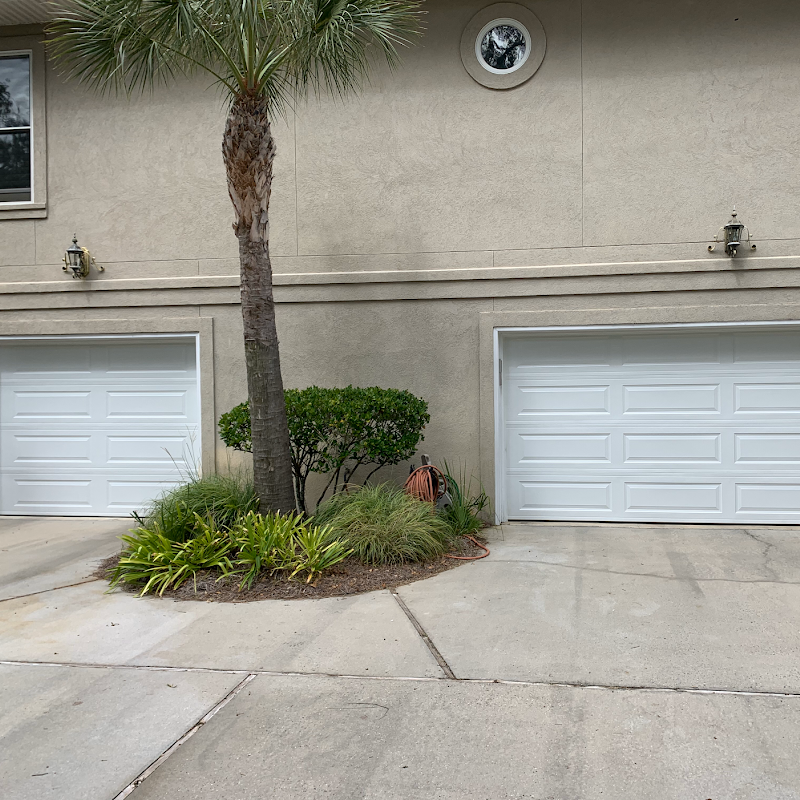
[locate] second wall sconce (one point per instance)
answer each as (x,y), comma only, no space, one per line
(79,260)
(733,236)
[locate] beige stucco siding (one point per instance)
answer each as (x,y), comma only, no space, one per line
(640,128)
(407,223)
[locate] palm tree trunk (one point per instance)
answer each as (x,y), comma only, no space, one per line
(249,151)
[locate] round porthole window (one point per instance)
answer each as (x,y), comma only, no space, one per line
(503,45)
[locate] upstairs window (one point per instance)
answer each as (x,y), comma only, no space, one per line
(16,129)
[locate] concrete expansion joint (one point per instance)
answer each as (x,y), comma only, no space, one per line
(254,673)
(142,776)
(434,650)
(50,589)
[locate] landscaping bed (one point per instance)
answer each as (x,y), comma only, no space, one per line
(347,578)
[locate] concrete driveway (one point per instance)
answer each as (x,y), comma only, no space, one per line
(574,662)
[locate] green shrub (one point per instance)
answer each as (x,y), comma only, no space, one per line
(337,431)
(383,525)
(221,498)
(160,563)
(462,513)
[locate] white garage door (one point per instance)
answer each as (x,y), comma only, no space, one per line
(700,426)
(94,427)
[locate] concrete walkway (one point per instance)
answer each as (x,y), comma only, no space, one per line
(575,662)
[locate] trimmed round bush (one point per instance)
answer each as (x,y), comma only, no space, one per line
(384,525)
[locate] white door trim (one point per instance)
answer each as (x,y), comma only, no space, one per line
(500,511)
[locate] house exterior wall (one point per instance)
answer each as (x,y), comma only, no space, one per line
(407,223)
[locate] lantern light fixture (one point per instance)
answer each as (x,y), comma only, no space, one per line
(79,260)
(733,236)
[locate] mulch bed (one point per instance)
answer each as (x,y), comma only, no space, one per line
(349,577)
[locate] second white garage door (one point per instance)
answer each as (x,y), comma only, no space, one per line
(95,427)
(690,426)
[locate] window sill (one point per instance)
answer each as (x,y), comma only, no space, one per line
(23,211)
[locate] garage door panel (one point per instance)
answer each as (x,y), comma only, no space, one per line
(671,399)
(766,347)
(560,400)
(559,351)
(663,350)
(43,363)
(669,448)
(47,495)
(148,404)
(168,361)
(768,499)
(778,398)
(563,448)
(777,449)
(44,406)
(682,427)
(564,496)
(125,496)
(36,451)
(148,450)
(673,497)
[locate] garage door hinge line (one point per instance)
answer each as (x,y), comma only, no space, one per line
(186,736)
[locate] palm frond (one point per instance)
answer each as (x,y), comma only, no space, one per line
(272,49)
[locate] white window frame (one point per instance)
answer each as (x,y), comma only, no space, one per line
(36,207)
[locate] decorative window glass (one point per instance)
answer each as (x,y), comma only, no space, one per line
(503,45)
(16,130)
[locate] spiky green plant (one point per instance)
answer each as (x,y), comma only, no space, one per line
(160,563)
(383,525)
(318,551)
(467,502)
(264,55)
(267,543)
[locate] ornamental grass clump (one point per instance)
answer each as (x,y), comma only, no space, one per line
(383,525)
(223,499)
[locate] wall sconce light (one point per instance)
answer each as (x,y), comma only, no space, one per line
(734,235)
(79,260)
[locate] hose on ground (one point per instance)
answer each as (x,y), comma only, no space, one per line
(470,558)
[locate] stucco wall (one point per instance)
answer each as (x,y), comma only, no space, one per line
(402,219)
(641,127)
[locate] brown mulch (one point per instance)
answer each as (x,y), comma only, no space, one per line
(349,577)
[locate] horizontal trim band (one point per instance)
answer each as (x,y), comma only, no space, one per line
(586,270)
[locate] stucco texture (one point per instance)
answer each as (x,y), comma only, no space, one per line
(402,218)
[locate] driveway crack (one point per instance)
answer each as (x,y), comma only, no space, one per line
(445,667)
(766,552)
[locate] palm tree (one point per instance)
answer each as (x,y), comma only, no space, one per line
(266,54)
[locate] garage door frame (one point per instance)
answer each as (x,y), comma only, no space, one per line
(198,330)
(499,332)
